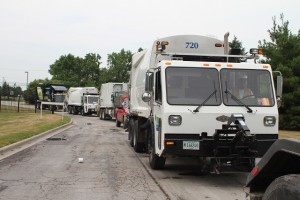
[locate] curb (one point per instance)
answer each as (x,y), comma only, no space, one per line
(28,142)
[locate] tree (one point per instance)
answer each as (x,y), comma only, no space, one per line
(119,65)
(75,71)
(236,44)
(67,69)
(5,89)
(30,94)
(283,53)
(91,70)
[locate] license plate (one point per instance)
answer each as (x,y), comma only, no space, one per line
(191,145)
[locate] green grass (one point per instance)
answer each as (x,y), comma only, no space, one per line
(15,127)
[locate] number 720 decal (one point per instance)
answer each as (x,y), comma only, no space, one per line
(191,45)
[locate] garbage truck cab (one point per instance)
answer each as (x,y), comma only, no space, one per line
(192,96)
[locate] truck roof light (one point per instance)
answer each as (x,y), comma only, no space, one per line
(161,46)
(206,65)
(218,65)
(168,63)
(229,65)
(256,51)
(218,45)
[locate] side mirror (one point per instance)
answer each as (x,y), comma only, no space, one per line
(279,86)
(146,97)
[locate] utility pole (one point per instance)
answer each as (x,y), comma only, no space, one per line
(27,80)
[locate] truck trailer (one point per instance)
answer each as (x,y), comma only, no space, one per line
(188,98)
(108,92)
(82,99)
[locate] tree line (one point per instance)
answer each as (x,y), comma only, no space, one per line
(282,52)
(8,92)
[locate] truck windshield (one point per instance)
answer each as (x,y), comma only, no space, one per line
(192,86)
(251,87)
(93,99)
(59,97)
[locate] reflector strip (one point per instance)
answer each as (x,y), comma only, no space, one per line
(255,171)
(169,143)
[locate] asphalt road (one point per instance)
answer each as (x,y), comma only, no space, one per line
(110,170)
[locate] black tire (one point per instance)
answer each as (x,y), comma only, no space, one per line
(284,187)
(69,109)
(155,161)
(82,112)
(75,111)
(130,132)
(101,114)
(125,123)
(137,146)
(118,124)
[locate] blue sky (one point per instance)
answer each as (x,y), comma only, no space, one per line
(35,33)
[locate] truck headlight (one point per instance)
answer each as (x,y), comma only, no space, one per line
(269,121)
(175,120)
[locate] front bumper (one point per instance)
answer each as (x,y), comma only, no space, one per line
(208,147)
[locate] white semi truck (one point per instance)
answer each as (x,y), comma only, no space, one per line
(187,98)
(108,93)
(82,99)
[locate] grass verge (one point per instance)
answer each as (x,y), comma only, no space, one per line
(289,134)
(15,127)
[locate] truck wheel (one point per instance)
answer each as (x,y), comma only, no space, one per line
(118,124)
(137,146)
(75,111)
(101,114)
(69,109)
(125,124)
(82,112)
(130,132)
(284,187)
(155,161)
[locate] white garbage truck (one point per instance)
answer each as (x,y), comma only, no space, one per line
(194,96)
(82,100)
(106,104)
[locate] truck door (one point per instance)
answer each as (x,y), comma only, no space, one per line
(157,110)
